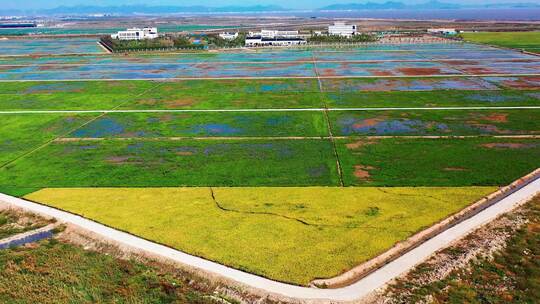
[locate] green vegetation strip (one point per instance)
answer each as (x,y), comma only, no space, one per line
(291,234)
(528,41)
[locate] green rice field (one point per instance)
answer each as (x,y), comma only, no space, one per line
(528,41)
(242,94)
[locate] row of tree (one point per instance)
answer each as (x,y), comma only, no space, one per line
(338,39)
(166,42)
(187,42)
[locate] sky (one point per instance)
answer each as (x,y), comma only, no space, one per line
(38,4)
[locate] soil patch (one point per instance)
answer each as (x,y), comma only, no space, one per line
(117,159)
(362,172)
(496,117)
(420,71)
(358,144)
(507,145)
(455,169)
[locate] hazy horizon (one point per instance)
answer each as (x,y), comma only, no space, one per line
(298,4)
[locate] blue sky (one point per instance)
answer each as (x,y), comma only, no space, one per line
(33,4)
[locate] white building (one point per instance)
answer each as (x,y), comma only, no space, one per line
(275,41)
(228,36)
(274,38)
(274,34)
(443,31)
(137,34)
(342,29)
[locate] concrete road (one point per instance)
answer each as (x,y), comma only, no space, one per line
(352,292)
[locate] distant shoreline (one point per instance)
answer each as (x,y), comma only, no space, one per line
(460,14)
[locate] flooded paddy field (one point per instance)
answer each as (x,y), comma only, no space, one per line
(229,124)
(406,84)
(422,60)
(265,94)
(55,46)
(436,123)
(427,99)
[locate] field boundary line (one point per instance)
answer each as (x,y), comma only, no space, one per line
(17,112)
(278,290)
(327,119)
(266,77)
(240,138)
(427,59)
(47,143)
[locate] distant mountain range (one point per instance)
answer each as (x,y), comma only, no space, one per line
(143,9)
(434,4)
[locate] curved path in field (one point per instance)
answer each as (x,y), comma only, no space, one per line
(352,292)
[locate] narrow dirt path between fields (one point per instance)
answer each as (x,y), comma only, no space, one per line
(218,138)
(269,110)
(276,77)
(328,122)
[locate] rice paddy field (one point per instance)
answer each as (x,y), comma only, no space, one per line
(451,59)
(528,41)
(312,160)
(48,46)
(318,232)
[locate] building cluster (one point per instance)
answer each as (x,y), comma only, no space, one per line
(442,31)
(288,38)
(262,38)
(342,29)
(137,34)
(228,35)
(274,38)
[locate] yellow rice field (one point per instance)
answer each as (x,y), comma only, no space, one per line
(288,234)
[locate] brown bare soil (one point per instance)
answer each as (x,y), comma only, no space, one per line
(496,117)
(117,159)
(420,71)
(370,122)
(381,73)
(362,172)
(358,144)
(455,169)
(506,145)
